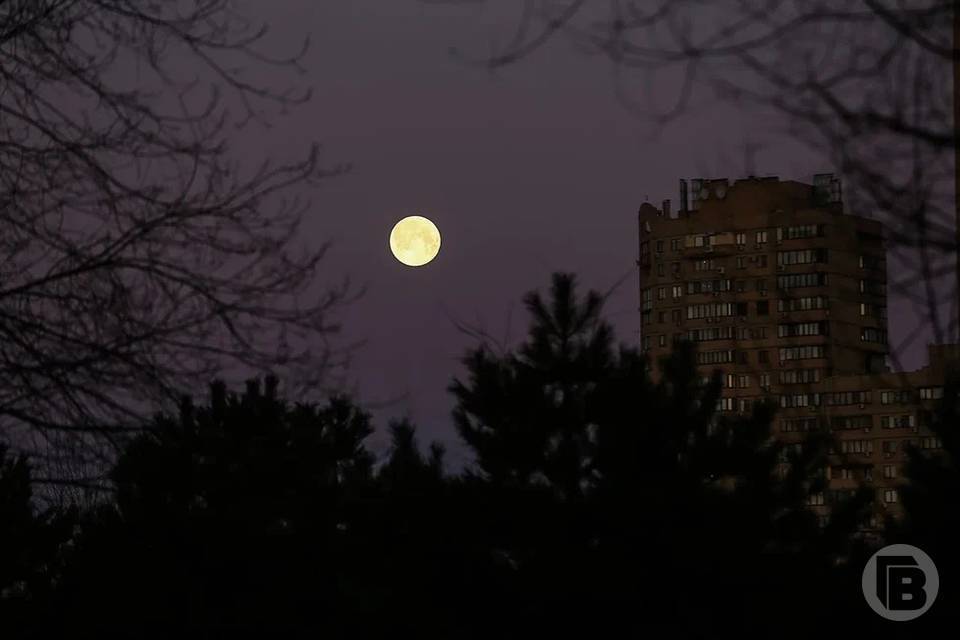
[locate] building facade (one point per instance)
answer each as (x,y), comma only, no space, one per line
(785,294)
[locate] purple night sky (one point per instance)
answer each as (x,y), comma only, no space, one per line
(529,170)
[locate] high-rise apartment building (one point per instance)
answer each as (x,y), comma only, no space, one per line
(786,295)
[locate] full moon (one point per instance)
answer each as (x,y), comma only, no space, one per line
(415,241)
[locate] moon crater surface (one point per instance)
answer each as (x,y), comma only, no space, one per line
(415,241)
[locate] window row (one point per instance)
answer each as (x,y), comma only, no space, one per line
(706,264)
(801,231)
(843,398)
(806,352)
(735,404)
(798,329)
(759,237)
(889,447)
(675,292)
(799,424)
(711,310)
(862,447)
(872,334)
(905,421)
(807,303)
(706,239)
(723,356)
(931,393)
(727,332)
(834,399)
(736,381)
(802,256)
(794,400)
(799,280)
(851,422)
(706,334)
(799,376)
(897,396)
(708,286)
(847,473)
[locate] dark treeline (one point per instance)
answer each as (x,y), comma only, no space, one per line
(602,504)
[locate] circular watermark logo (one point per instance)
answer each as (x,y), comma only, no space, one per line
(900,582)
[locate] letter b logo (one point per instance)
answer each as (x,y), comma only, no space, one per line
(900,582)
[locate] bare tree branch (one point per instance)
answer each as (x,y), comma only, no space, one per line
(139,254)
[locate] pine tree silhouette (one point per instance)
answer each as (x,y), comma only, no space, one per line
(630,505)
(229,519)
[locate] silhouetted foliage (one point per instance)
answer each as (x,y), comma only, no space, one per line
(634,503)
(30,545)
(608,499)
(929,495)
(228,517)
(406,467)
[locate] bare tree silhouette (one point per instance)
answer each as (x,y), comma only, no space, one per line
(138,253)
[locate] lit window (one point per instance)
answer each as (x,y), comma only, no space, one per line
(931,393)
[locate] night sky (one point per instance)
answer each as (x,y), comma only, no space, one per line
(531,169)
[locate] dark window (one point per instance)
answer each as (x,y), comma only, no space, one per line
(763,307)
